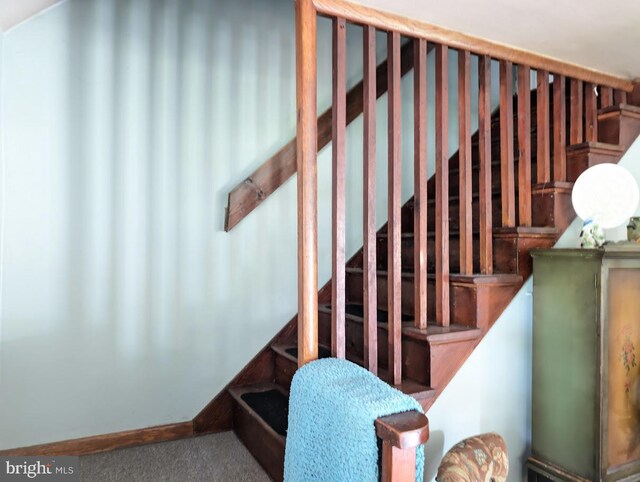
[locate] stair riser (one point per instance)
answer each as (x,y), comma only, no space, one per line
(415,354)
(265,445)
(460,297)
(285,368)
(454,177)
(619,128)
(470,304)
(511,253)
(552,207)
(408,254)
(580,161)
(454,215)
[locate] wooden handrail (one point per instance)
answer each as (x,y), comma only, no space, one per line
(364,15)
(279,168)
(401,433)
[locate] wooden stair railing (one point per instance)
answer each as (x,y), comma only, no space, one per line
(551,151)
(254,404)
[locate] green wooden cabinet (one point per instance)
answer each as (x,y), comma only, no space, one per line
(586,364)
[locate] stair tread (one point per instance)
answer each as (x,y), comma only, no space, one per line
(430,234)
(356,312)
(620,107)
(433,333)
(498,278)
(409,387)
(267,402)
(455,198)
(601,146)
(527,230)
(290,351)
(531,230)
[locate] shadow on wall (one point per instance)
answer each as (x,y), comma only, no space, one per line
(436,452)
(160,119)
(128,121)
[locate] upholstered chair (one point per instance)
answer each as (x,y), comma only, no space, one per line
(482,458)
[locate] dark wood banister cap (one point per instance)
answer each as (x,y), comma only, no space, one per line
(403,430)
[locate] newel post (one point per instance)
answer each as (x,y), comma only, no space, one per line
(306,151)
(401,434)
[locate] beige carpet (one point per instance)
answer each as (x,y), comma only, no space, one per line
(219,457)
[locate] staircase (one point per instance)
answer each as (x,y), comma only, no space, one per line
(258,397)
(490,181)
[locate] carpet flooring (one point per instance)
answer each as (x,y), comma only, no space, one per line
(218,457)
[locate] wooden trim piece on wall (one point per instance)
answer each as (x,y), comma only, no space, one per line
(112,441)
(361,14)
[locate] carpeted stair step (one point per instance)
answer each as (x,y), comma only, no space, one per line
(260,417)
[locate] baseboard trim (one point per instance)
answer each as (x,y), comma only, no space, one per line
(111,441)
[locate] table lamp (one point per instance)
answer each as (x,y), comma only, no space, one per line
(605,196)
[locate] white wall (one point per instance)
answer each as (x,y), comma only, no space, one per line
(2,190)
(126,123)
(492,391)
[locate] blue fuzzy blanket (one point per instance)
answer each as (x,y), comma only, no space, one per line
(332,408)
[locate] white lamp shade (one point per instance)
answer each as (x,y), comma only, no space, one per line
(607,194)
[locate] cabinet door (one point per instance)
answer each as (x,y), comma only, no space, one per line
(621,449)
(566,364)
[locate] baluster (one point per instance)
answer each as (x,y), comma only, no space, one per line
(543,147)
(524,145)
(606,97)
(464,158)
(507,176)
(394,225)
(420,182)
(306,151)
(559,129)
(575,122)
(484,138)
(619,96)
(590,113)
(338,134)
(442,187)
(369,202)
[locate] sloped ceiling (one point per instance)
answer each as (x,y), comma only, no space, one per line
(604,35)
(12,12)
